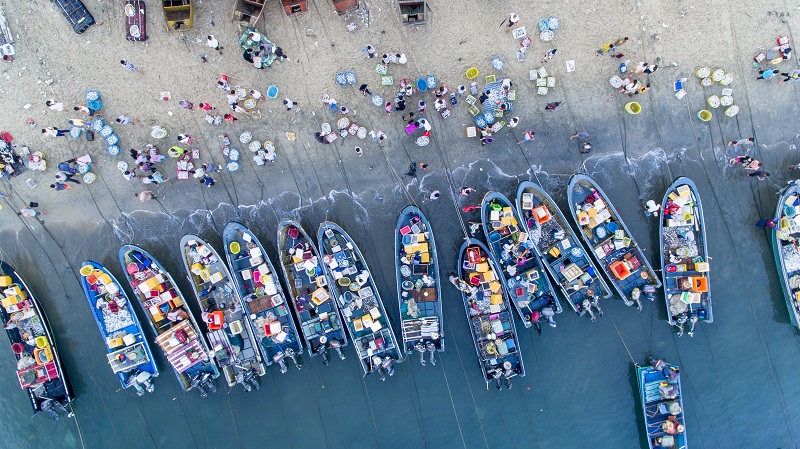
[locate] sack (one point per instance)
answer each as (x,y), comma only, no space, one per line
(33,204)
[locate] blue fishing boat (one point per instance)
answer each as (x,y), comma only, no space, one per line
(264,300)
(784,247)
(40,371)
(564,257)
(662,405)
(519,265)
(177,332)
(684,256)
(359,300)
(490,319)
(310,292)
(127,349)
(226,320)
(418,284)
(613,245)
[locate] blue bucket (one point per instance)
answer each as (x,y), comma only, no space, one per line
(98,124)
(480,121)
(544,24)
(113,150)
(94,105)
(272,91)
(489,117)
(422,84)
(377,100)
(106,131)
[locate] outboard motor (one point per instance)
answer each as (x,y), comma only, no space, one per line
(497,375)
(47,406)
(240,379)
(207,382)
(388,365)
(419,347)
(278,358)
(693,318)
(141,382)
(680,321)
(292,355)
(322,350)
(431,349)
(649,292)
(337,346)
(549,314)
(376,365)
(252,379)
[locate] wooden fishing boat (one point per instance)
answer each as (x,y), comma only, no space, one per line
(310,291)
(684,256)
(418,284)
(662,405)
(784,246)
(564,257)
(613,245)
(264,299)
(519,265)
(226,320)
(127,349)
(490,319)
(39,368)
(177,332)
(359,300)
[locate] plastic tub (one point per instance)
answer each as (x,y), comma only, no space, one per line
(472,72)
(633,108)
(704,115)
(272,91)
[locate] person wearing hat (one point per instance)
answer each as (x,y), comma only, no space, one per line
(513,19)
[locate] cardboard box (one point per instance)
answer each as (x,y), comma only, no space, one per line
(5,281)
(701,267)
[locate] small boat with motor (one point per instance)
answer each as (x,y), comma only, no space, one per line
(785,248)
(264,299)
(613,245)
(662,404)
(310,292)
(519,265)
(227,322)
(177,332)
(418,284)
(127,349)
(359,300)
(40,371)
(490,319)
(564,257)
(684,256)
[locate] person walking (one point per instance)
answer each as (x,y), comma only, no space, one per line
(66,177)
(435,195)
(760,174)
(767,74)
(528,136)
(127,65)
(289,104)
(30,213)
(213,43)
(145,195)
(734,143)
(363,89)
(359,151)
(208,181)
(580,135)
(125,120)
(552,106)
(549,55)
(59,186)
(466,191)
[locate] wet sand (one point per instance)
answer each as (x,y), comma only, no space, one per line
(740,374)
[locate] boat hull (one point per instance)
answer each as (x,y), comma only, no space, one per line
(622,260)
(565,258)
(273,326)
(520,267)
(168,318)
(785,252)
(53,383)
(674,267)
(421,326)
(226,321)
(491,324)
(653,405)
(318,312)
(361,305)
(130,355)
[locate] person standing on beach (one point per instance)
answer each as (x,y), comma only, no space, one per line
(145,195)
(289,104)
(127,65)
(59,186)
(363,89)
(212,42)
(30,213)
(513,19)
(760,174)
